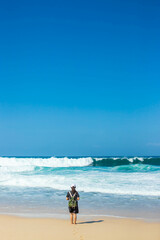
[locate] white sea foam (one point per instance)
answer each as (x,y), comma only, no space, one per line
(10,169)
(139,158)
(99,182)
(133,158)
(45,162)
(32,172)
(98,159)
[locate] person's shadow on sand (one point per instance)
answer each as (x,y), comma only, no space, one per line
(96,221)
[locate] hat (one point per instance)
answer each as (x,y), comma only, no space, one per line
(73,185)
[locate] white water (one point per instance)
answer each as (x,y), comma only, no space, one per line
(35,183)
(46,162)
(56,173)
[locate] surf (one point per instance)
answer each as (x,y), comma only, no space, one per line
(57,162)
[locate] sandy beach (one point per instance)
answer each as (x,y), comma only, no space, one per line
(18,228)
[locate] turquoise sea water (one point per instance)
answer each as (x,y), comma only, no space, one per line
(117,186)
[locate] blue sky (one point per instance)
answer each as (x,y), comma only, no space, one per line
(79,78)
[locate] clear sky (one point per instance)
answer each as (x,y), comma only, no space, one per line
(79,77)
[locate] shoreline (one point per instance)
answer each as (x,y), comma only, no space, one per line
(18,228)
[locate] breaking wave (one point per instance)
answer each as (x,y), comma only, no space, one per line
(24,163)
(111,175)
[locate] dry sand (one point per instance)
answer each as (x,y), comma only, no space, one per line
(18,228)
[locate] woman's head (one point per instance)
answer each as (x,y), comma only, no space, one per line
(73,187)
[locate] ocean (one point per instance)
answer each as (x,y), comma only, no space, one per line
(108,186)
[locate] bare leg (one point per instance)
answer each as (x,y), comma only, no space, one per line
(71,217)
(75,218)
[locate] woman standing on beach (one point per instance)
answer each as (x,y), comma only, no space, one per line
(73,197)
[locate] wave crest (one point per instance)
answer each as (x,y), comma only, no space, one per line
(26,164)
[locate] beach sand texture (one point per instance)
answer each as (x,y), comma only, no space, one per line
(19,228)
